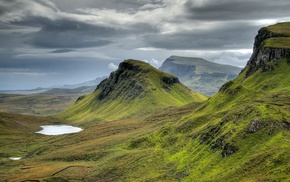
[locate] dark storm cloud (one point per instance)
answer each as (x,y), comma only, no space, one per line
(237,9)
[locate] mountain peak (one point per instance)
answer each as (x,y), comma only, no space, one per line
(134,88)
(131,80)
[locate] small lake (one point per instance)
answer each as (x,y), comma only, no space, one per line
(58,129)
(15,158)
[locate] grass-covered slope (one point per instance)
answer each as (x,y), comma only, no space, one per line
(282,38)
(281,28)
(242,133)
(239,134)
(247,136)
(134,89)
(103,151)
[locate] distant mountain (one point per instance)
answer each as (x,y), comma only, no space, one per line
(69,91)
(79,88)
(199,74)
(24,92)
(242,133)
(135,88)
(94,82)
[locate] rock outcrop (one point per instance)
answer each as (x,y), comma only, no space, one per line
(265,56)
(129,80)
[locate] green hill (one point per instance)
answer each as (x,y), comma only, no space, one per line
(242,133)
(199,74)
(246,135)
(134,89)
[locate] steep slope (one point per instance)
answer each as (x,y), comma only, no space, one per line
(246,135)
(199,74)
(135,88)
(239,134)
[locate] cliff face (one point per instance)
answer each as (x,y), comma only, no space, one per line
(129,81)
(265,55)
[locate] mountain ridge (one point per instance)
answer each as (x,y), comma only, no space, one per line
(242,133)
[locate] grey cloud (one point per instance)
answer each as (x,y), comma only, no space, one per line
(30,12)
(231,36)
(238,9)
(62,50)
(70,34)
(63,40)
(71,5)
(60,32)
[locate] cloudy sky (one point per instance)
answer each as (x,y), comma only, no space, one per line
(56,42)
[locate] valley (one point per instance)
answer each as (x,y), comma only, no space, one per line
(36,104)
(142,124)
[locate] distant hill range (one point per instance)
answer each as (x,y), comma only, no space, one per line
(199,74)
(166,131)
(79,88)
(94,83)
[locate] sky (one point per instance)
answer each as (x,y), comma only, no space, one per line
(46,43)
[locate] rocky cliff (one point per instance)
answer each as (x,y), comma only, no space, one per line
(129,81)
(271,44)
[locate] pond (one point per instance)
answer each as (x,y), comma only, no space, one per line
(58,129)
(15,158)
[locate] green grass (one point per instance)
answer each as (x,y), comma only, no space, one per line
(282,28)
(279,42)
(133,94)
(180,143)
(283,40)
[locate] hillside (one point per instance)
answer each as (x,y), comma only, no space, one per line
(199,74)
(134,89)
(242,133)
(246,136)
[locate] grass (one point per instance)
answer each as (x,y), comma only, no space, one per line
(180,143)
(282,28)
(279,42)
(282,41)
(132,94)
